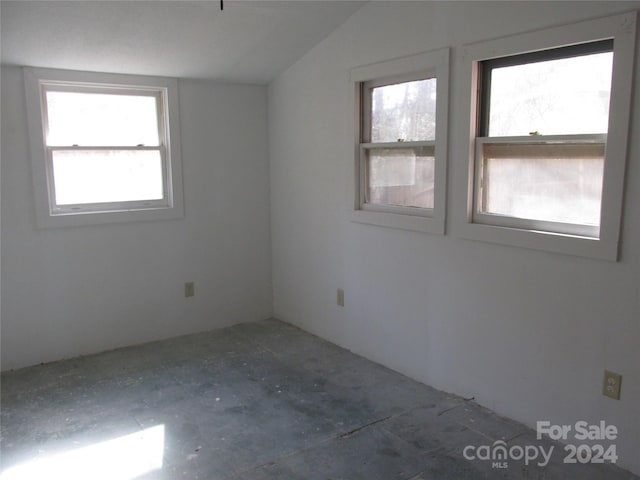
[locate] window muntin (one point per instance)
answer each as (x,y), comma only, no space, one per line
(105,148)
(398,148)
(546,171)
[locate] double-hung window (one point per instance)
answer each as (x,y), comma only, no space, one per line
(102,147)
(398,148)
(542,133)
(401,142)
(548,136)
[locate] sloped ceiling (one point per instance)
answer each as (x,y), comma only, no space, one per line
(247,42)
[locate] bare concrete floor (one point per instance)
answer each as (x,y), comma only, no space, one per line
(256,401)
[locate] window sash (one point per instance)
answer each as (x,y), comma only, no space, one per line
(366,97)
(591,146)
(116,206)
(159,94)
(365,148)
(486,68)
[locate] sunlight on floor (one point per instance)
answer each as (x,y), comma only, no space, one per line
(122,458)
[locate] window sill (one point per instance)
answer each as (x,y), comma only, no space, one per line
(597,248)
(101,218)
(414,223)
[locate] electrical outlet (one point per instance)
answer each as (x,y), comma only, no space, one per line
(612,384)
(189,289)
(340,297)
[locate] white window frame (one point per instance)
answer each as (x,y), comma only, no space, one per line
(542,236)
(165,90)
(433,64)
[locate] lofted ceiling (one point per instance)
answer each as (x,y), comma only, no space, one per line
(247,42)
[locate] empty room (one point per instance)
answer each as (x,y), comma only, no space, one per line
(323,240)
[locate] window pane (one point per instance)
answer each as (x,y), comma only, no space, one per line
(556,97)
(92,119)
(100,176)
(400,177)
(556,183)
(404,111)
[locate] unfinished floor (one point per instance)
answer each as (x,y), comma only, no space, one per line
(255,401)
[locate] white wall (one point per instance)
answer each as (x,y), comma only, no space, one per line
(70,291)
(527,333)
